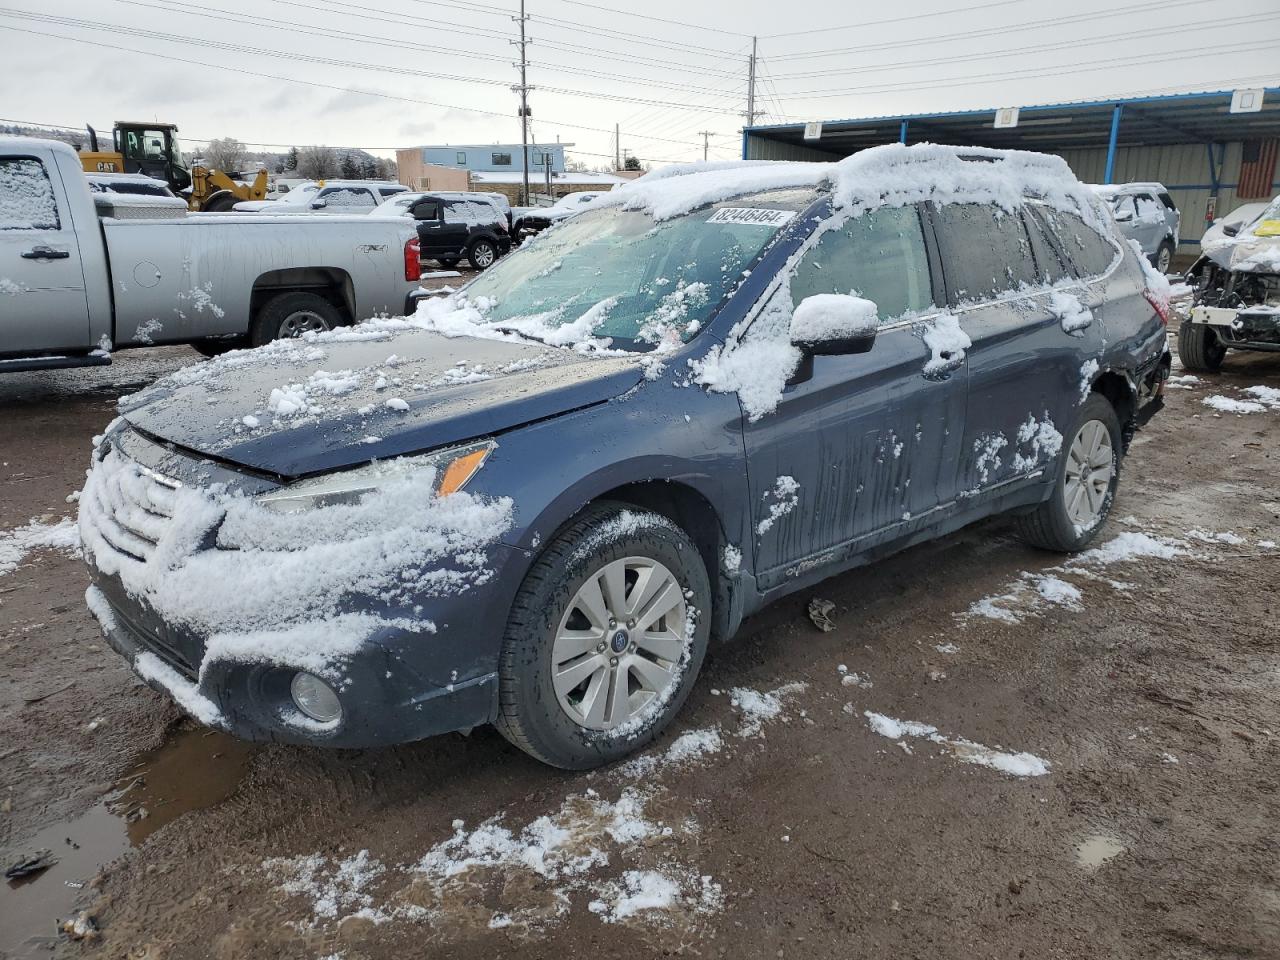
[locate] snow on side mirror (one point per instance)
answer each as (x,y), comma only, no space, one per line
(1124,216)
(319,204)
(830,324)
(1231,229)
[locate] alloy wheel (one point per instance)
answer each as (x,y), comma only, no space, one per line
(300,322)
(618,650)
(483,255)
(1090,469)
(1163,259)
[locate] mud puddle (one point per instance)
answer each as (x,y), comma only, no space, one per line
(193,769)
(1097,850)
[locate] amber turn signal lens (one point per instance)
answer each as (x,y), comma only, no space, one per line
(461,470)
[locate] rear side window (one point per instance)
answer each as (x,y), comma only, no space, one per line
(880,256)
(1168,202)
(985,250)
(426,210)
(348,197)
(1091,252)
(1148,208)
(389,191)
(26,196)
(1050,267)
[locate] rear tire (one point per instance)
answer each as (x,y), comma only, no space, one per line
(290,315)
(482,254)
(1084,485)
(1199,348)
(1163,259)
(612,565)
(220,202)
(447,262)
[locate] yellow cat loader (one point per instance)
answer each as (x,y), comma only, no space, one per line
(152,149)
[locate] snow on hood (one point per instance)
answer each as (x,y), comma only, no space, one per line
(1246,254)
(889,175)
(381,389)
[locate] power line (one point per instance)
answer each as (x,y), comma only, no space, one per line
(79,23)
(932,15)
(315,83)
(1151,5)
(643,16)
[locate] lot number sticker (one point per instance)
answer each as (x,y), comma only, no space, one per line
(751,215)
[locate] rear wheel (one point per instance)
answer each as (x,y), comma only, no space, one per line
(1164,257)
(447,262)
(289,315)
(605,638)
(1085,485)
(482,254)
(220,202)
(1199,348)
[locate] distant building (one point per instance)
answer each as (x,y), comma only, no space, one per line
(482,158)
(561,184)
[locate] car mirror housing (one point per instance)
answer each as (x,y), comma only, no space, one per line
(1124,216)
(1231,229)
(833,324)
(319,204)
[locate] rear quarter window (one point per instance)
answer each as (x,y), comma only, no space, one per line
(26,196)
(986,251)
(1091,252)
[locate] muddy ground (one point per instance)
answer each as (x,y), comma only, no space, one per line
(1153,694)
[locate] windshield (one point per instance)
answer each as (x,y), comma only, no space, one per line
(613,273)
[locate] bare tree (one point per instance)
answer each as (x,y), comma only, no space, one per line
(317,163)
(386,169)
(226,154)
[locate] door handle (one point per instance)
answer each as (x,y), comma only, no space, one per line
(45,253)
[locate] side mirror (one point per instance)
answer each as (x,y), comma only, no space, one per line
(1124,216)
(834,324)
(319,204)
(1231,229)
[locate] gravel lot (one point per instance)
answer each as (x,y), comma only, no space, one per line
(774,826)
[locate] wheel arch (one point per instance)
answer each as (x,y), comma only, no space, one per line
(1120,391)
(332,283)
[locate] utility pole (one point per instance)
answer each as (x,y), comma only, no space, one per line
(705,134)
(617,147)
(523,88)
(751,84)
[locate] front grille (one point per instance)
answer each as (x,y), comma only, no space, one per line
(134,507)
(156,644)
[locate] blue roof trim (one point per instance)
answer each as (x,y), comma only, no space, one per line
(1070,104)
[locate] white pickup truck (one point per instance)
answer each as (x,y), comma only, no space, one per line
(82,273)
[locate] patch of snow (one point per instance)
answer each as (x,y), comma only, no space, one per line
(184,692)
(1088,370)
(1073,315)
(338,888)
(1228,405)
(786,496)
(833,316)
(1268,395)
(732,558)
(396,403)
(758,708)
(967,751)
(37,535)
(946,341)
(1043,440)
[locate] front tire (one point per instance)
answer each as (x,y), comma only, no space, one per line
(1199,348)
(1084,486)
(598,654)
(290,315)
(1163,258)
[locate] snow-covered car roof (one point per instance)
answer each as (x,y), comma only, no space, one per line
(889,175)
(1126,189)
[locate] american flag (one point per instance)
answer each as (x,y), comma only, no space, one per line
(1257,169)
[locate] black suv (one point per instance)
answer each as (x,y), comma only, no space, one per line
(453,226)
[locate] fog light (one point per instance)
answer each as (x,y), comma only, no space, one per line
(315,698)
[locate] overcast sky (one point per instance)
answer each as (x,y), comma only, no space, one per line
(396,73)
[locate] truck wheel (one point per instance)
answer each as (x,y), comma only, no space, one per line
(288,315)
(1164,257)
(482,254)
(1085,484)
(215,348)
(1199,348)
(605,638)
(220,202)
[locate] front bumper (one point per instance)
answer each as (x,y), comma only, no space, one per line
(386,695)
(1253,328)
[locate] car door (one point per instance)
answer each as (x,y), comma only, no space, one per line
(43,301)
(862,447)
(426,215)
(1028,342)
(455,228)
(1150,227)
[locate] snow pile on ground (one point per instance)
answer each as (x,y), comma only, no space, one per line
(1229,405)
(335,888)
(1268,395)
(649,890)
(1183,382)
(967,751)
(758,708)
(688,748)
(786,496)
(1032,593)
(37,535)
(274,589)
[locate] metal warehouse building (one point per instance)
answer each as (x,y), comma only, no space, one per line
(1212,150)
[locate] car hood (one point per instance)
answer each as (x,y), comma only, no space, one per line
(295,408)
(1246,254)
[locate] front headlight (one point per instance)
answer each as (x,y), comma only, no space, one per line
(453,467)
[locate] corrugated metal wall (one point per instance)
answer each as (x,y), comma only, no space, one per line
(760,149)
(1184,169)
